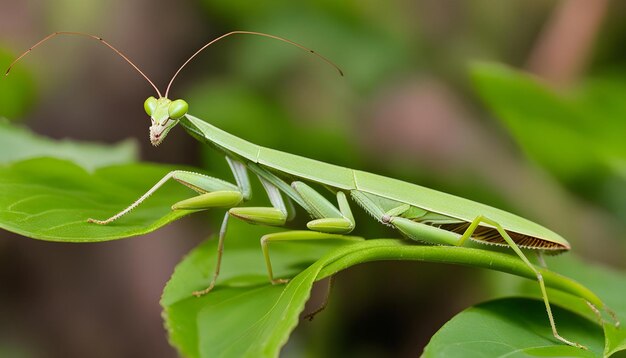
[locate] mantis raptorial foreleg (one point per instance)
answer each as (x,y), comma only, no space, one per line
(327,217)
(328,223)
(274,216)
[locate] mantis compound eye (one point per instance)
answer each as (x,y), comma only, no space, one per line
(150,105)
(177,109)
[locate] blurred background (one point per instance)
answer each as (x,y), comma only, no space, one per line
(419,102)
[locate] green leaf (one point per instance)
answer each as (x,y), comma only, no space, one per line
(514,327)
(609,285)
(17,91)
(51,199)
(19,143)
(602,99)
(244,315)
(575,135)
(248,317)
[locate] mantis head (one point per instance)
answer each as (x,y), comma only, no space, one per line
(164,114)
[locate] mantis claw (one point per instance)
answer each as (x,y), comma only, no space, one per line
(569,343)
(279,281)
(96,221)
(202,292)
(199,293)
(613,316)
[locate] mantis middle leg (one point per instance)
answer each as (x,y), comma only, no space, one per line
(329,222)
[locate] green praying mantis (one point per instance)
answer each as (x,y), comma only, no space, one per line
(418,213)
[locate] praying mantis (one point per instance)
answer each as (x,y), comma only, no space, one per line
(418,213)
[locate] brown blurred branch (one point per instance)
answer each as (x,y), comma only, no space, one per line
(564,46)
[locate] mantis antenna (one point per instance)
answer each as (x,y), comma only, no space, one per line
(250,33)
(54,34)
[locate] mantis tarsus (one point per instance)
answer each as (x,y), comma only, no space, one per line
(419,213)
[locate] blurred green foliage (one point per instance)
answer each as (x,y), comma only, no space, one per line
(22,144)
(577,135)
(17,91)
(258,118)
(369,47)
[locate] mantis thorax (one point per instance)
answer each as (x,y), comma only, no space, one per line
(164,114)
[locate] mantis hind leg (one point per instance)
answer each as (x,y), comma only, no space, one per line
(518,251)
(399,216)
(404,218)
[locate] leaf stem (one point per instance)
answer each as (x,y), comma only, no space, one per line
(393,249)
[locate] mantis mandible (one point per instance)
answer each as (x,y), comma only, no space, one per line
(418,213)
